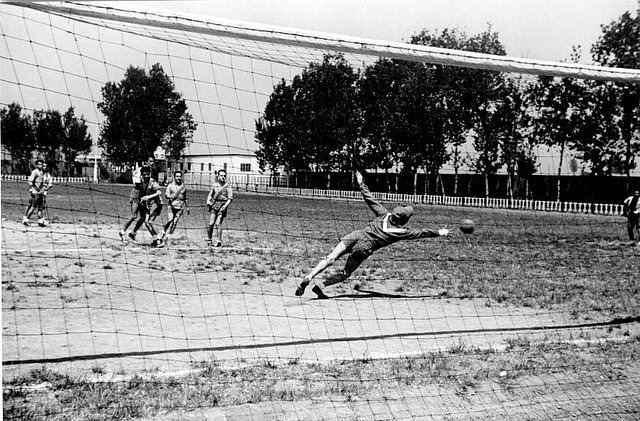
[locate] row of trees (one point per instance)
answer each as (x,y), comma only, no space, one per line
(142,112)
(417,116)
(54,136)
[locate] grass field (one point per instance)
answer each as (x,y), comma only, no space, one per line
(535,316)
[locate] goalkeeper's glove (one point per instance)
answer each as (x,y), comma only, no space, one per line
(443,232)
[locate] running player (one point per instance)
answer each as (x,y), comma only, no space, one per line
(134,200)
(387,228)
(219,198)
(176,194)
(37,189)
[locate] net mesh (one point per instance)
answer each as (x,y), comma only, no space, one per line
(533,316)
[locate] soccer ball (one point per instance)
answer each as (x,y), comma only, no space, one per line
(467,226)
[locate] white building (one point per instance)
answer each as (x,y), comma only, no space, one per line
(234,164)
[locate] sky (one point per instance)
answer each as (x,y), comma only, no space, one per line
(536,29)
(227,101)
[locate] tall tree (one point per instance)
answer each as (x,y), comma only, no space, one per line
(618,46)
(313,123)
(279,138)
(454,96)
(142,112)
(18,136)
(49,131)
(561,117)
(379,93)
(76,139)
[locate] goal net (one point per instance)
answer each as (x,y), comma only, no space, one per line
(535,315)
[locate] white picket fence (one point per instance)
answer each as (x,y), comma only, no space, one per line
(57,180)
(264,185)
(475,202)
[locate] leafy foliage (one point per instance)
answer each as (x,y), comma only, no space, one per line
(143,112)
(618,46)
(314,122)
(18,136)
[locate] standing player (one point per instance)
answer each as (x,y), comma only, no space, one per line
(37,191)
(176,194)
(134,200)
(218,200)
(387,228)
(631,209)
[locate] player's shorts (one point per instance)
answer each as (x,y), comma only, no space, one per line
(175,212)
(215,209)
(38,201)
(152,208)
(358,242)
(135,194)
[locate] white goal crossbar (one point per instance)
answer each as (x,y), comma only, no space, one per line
(207,26)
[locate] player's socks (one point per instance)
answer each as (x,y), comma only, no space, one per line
(301,288)
(321,295)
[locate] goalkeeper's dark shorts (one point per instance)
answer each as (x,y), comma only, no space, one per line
(358,242)
(38,201)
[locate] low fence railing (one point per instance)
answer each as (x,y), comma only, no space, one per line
(271,185)
(55,179)
(476,202)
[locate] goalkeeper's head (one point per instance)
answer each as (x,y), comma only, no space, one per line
(401,214)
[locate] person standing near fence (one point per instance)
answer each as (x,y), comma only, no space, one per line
(37,190)
(218,201)
(631,209)
(176,194)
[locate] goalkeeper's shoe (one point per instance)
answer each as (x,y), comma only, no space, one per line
(301,288)
(321,295)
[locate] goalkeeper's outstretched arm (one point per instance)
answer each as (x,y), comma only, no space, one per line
(375,206)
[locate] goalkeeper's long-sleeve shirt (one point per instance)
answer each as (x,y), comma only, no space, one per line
(382,231)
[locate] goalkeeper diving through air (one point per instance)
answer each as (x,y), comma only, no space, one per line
(387,228)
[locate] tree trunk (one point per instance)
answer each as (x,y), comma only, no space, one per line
(560,171)
(486,186)
(455,169)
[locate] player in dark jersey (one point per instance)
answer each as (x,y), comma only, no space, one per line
(387,228)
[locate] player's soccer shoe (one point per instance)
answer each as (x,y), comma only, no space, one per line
(219,244)
(121,234)
(209,243)
(42,223)
(321,295)
(301,288)
(159,243)
(25,221)
(132,237)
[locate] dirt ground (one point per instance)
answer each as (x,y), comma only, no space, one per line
(78,300)
(75,296)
